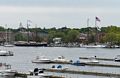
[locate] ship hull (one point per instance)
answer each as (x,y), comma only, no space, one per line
(32,45)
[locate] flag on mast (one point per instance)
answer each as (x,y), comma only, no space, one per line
(97,19)
(29,21)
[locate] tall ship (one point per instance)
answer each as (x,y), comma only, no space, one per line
(30,43)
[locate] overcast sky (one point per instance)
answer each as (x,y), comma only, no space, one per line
(59,13)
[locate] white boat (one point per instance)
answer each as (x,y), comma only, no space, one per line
(41,59)
(6,53)
(38,73)
(117,58)
(90,60)
(61,59)
(59,67)
(7,71)
(93,60)
(93,46)
(8,45)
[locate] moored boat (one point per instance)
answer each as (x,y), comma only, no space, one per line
(61,59)
(8,45)
(93,46)
(41,59)
(90,60)
(78,63)
(7,71)
(6,53)
(117,58)
(30,44)
(60,67)
(38,73)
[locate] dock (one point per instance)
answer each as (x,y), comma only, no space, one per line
(24,75)
(82,72)
(20,74)
(90,64)
(103,65)
(60,62)
(105,59)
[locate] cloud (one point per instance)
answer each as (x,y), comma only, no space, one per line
(57,16)
(39,9)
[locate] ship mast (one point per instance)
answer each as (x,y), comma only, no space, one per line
(35,32)
(28,31)
(88,30)
(6,34)
(96,31)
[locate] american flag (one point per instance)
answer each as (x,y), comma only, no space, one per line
(97,19)
(29,21)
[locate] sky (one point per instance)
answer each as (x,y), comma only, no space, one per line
(59,13)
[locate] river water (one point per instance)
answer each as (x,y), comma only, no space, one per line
(21,61)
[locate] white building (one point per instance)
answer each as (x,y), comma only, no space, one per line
(57,40)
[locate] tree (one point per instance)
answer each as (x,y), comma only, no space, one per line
(2,28)
(72,36)
(51,35)
(111,38)
(20,37)
(118,39)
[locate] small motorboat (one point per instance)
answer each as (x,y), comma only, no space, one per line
(41,59)
(90,60)
(78,63)
(8,45)
(6,53)
(61,59)
(38,73)
(93,46)
(117,58)
(59,67)
(7,71)
(93,60)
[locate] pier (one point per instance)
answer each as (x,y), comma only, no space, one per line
(105,59)
(83,72)
(104,65)
(24,75)
(90,64)
(68,71)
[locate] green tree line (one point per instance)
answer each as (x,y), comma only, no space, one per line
(110,34)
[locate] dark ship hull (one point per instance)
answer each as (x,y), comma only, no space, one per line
(31,44)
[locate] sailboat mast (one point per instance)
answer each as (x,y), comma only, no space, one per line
(36,33)
(6,34)
(27,32)
(88,30)
(96,32)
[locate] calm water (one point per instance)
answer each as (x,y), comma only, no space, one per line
(21,60)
